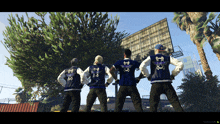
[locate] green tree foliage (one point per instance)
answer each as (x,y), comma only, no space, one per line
(199,94)
(21,96)
(40,51)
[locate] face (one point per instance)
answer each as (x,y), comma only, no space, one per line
(124,55)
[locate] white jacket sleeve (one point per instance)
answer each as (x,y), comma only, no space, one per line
(61,79)
(179,66)
(143,66)
(84,79)
(110,78)
(80,72)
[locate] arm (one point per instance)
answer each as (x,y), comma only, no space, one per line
(61,79)
(143,66)
(112,72)
(179,66)
(80,72)
(84,76)
(110,78)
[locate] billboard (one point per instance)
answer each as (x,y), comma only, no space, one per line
(142,43)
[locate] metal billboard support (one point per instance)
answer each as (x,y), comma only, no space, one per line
(177,53)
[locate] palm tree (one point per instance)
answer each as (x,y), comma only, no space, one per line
(21,96)
(190,22)
(213,37)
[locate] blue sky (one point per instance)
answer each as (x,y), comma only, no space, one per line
(131,22)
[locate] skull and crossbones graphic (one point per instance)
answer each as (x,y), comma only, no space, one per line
(126,66)
(160,65)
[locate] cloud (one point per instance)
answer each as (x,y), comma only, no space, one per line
(2,27)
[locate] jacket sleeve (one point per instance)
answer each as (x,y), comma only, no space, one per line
(143,66)
(85,74)
(110,78)
(61,79)
(179,66)
(80,72)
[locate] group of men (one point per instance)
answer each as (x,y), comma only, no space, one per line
(159,77)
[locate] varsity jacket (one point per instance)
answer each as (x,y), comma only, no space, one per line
(73,81)
(126,69)
(159,65)
(97,75)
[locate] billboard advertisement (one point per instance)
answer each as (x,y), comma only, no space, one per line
(142,43)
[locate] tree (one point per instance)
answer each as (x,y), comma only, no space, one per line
(40,51)
(199,94)
(21,96)
(191,22)
(213,37)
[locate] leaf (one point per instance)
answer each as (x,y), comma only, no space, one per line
(46,56)
(60,45)
(54,46)
(69,43)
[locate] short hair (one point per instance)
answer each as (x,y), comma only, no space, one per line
(98,59)
(127,53)
(73,61)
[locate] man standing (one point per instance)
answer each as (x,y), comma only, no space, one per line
(97,85)
(160,78)
(127,82)
(72,86)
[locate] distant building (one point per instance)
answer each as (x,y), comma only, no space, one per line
(190,66)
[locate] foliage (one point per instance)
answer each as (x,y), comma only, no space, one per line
(21,96)
(193,24)
(56,108)
(40,51)
(199,94)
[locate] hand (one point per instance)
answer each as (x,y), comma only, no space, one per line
(117,81)
(106,84)
(81,86)
(88,84)
(149,77)
(172,77)
(137,80)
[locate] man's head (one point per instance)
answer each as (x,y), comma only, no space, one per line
(98,59)
(73,61)
(127,53)
(159,49)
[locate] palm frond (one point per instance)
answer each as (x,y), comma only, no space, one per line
(212,15)
(204,40)
(213,24)
(218,17)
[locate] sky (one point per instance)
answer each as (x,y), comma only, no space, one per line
(131,22)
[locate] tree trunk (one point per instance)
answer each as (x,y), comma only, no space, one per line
(196,17)
(218,56)
(204,61)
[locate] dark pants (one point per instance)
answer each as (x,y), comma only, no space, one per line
(159,88)
(74,97)
(101,94)
(128,91)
